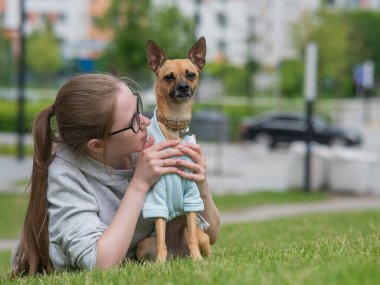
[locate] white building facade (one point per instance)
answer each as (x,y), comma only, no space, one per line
(243,29)
(236,30)
(71,21)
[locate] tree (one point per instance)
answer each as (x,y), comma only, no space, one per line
(291,77)
(233,77)
(134,22)
(331,31)
(43,53)
(365,38)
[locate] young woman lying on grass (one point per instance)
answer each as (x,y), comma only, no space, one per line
(86,196)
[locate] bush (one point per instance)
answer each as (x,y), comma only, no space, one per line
(9,113)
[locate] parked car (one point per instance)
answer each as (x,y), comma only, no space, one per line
(273,128)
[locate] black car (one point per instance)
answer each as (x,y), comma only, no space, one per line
(274,128)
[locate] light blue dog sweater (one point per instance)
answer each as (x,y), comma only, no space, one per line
(172,195)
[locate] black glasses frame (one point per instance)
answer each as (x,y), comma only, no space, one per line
(136,117)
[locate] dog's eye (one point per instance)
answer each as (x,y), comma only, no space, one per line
(191,75)
(170,77)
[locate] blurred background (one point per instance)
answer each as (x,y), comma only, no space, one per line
(251,114)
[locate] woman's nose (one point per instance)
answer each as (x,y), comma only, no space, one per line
(145,120)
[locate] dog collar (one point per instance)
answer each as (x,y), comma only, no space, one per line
(174,124)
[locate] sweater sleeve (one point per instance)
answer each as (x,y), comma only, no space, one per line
(155,201)
(74,225)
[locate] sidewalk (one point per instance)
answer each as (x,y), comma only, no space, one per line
(336,204)
(268,212)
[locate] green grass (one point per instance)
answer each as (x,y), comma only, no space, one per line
(5,257)
(324,249)
(12,212)
(229,202)
(13,206)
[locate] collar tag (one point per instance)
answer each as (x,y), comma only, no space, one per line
(183,134)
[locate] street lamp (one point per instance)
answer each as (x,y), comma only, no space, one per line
(310,92)
(21,85)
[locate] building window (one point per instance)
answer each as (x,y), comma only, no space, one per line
(222,46)
(62,17)
(221,19)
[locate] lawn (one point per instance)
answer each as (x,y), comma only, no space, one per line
(12,206)
(12,212)
(312,249)
(230,202)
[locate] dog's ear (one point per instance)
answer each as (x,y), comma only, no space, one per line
(156,57)
(197,53)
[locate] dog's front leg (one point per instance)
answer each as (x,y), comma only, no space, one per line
(161,245)
(191,236)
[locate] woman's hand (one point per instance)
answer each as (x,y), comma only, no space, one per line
(155,160)
(198,166)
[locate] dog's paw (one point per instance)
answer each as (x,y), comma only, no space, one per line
(197,258)
(161,257)
(196,255)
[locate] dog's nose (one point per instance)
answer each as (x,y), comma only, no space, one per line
(183,87)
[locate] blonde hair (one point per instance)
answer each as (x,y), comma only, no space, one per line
(84,109)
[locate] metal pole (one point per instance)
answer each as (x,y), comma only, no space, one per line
(309,115)
(21,85)
(310,92)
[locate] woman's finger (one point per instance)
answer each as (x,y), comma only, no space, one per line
(169,162)
(195,168)
(149,143)
(168,153)
(197,177)
(195,156)
(196,147)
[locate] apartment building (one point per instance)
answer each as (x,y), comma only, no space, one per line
(243,29)
(2,11)
(72,22)
(355,4)
(236,30)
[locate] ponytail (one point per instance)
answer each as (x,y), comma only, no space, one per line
(76,125)
(32,254)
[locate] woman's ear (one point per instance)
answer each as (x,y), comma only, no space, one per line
(95,146)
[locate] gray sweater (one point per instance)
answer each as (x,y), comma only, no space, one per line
(83,198)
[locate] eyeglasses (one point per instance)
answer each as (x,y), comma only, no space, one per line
(135,122)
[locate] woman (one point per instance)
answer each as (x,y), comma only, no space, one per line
(86,196)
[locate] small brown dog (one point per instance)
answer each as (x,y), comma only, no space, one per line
(176,82)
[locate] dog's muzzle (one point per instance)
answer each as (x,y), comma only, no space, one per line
(181,91)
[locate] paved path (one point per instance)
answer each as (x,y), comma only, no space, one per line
(336,204)
(267,212)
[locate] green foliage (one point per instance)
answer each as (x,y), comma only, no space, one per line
(172,31)
(7,149)
(43,54)
(8,114)
(331,31)
(365,39)
(134,22)
(292,78)
(234,78)
(344,40)
(6,59)
(312,249)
